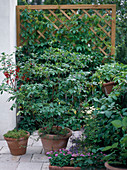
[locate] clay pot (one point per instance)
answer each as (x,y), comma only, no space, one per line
(54,142)
(107,87)
(17,146)
(70,168)
(109,167)
(63,168)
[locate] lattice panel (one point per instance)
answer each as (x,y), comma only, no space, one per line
(58,15)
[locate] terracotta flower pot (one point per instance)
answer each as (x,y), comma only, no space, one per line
(109,167)
(70,168)
(107,87)
(63,168)
(17,146)
(55,142)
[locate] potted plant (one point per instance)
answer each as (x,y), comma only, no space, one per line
(16,139)
(63,159)
(68,160)
(116,159)
(54,135)
(108,75)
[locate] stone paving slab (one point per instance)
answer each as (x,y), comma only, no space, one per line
(45,166)
(9,158)
(8,166)
(29,166)
(3,143)
(40,158)
(5,150)
(1,147)
(26,158)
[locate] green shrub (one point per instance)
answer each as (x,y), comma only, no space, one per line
(110,72)
(98,127)
(118,150)
(57,76)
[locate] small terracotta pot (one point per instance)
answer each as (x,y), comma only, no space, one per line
(109,167)
(54,142)
(18,146)
(107,87)
(63,168)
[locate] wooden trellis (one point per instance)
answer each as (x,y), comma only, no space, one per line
(100,10)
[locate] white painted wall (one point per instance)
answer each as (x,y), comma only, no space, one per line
(7,45)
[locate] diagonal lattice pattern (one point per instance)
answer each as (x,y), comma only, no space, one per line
(36,27)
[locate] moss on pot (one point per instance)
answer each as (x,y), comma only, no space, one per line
(15,134)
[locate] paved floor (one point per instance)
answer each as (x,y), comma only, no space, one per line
(34,159)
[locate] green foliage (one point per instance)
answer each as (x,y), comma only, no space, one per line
(16,134)
(53,130)
(107,73)
(9,70)
(98,123)
(121,24)
(58,83)
(62,86)
(110,72)
(74,34)
(57,2)
(32,2)
(118,150)
(52,87)
(98,127)
(84,160)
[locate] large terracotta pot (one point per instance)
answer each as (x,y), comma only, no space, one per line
(54,142)
(17,146)
(107,87)
(63,168)
(109,167)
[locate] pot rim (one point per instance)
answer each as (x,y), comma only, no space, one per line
(49,136)
(77,168)
(109,83)
(113,168)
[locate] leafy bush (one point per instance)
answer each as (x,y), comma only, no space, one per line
(110,72)
(52,85)
(99,128)
(98,124)
(118,150)
(57,76)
